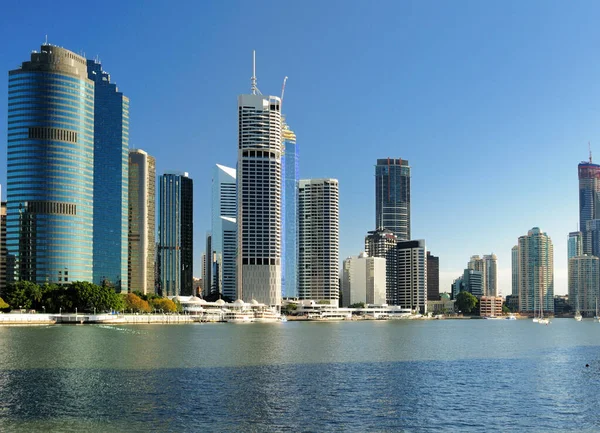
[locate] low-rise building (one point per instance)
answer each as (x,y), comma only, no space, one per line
(444,306)
(490,306)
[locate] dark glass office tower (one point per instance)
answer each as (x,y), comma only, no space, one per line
(589,199)
(176,230)
(433,277)
(50,168)
(111,180)
(392,196)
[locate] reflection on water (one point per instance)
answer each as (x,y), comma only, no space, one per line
(371,376)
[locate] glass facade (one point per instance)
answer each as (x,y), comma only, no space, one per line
(224,232)
(50,168)
(111,165)
(392,196)
(589,199)
(289,214)
(176,235)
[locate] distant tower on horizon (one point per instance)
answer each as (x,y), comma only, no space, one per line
(584,281)
(50,168)
(289,214)
(111,179)
(574,245)
(363,280)
(380,243)
(433,277)
(259,197)
(490,262)
(318,240)
(515,270)
(142,222)
(176,228)
(488,266)
(409,275)
(589,199)
(392,196)
(536,272)
(224,231)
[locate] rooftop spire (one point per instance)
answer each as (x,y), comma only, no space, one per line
(590,150)
(253,88)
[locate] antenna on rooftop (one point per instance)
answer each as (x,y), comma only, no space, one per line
(253,88)
(590,150)
(46,43)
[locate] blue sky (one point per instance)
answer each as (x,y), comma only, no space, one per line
(492,102)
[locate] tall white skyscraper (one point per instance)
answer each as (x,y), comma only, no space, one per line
(224,230)
(318,239)
(515,270)
(536,272)
(491,275)
(259,197)
(142,221)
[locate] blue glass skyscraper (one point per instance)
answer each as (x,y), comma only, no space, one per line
(111,180)
(289,214)
(392,196)
(175,232)
(50,168)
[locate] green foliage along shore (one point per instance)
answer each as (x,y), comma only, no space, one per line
(53,298)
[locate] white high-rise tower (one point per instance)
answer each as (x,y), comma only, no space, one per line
(259,196)
(318,240)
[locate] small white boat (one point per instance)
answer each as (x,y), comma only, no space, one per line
(511,317)
(543,321)
(578,316)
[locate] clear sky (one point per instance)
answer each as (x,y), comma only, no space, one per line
(492,102)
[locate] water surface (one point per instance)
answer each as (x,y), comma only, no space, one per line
(473,375)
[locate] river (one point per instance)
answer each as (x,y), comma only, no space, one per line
(448,375)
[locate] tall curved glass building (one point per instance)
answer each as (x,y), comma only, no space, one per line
(50,168)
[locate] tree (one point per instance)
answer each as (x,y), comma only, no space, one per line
(290,308)
(505,309)
(466,302)
(358,305)
(164,304)
(140,295)
(20,294)
(3,305)
(136,304)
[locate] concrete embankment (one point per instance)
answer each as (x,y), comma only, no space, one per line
(81,319)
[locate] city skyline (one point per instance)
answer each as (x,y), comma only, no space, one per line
(419,114)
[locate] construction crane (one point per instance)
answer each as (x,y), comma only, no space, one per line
(282,92)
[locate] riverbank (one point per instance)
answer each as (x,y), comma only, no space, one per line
(90,319)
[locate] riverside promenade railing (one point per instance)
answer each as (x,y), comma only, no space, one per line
(49,319)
